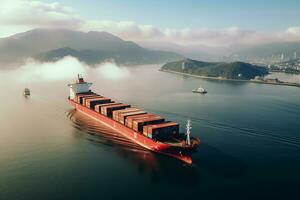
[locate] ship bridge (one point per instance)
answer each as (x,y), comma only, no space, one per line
(80,86)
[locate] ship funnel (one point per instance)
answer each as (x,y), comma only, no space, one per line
(188,132)
(80,78)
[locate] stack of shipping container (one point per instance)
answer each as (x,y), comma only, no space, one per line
(107,110)
(117,112)
(152,126)
(122,116)
(91,103)
(80,96)
(98,106)
(162,132)
(85,98)
(138,124)
(129,120)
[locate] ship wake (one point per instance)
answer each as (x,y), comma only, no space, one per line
(250,131)
(101,133)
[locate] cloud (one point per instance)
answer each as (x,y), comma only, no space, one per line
(27,14)
(124,29)
(111,71)
(66,68)
(293,30)
(36,13)
(197,36)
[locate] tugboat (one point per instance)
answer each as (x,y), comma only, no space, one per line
(26,92)
(200,90)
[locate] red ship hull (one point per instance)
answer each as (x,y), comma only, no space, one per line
(166,149)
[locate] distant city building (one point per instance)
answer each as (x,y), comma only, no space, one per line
(183,66)
(282,57)
(295,55)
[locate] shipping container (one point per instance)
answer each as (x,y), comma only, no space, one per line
(79,97)
(98,106)
(85,93)
(89,97)
(122,116)
(76,99)
(161,132)
(90,103)
(117,112)
(82,95)
(129,119)
(107,110)
(139,123)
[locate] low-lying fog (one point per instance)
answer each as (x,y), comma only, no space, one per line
(64,69)
(68,68)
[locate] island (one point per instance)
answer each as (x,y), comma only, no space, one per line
(232,71)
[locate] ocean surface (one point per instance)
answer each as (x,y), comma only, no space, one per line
(250,136)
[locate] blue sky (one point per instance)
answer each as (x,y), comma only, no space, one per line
(161,24)
(268,15)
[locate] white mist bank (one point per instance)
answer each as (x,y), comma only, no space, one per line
(111,71)
(65,69)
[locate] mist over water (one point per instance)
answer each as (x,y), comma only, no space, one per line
(249,133)
(111,71)
(64,69)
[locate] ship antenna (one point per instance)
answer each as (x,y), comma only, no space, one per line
(188,132)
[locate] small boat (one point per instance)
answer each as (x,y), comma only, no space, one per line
(200,90)
(26,92)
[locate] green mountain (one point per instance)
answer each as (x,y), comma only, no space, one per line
(92,57)
(234,70)
(91,47)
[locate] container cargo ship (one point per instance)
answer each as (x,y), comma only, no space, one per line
(148,130)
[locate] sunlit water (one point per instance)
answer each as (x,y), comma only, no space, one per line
(250,137)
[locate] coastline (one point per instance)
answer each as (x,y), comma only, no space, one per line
(225,79)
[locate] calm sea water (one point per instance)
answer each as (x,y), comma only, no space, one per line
(250,137)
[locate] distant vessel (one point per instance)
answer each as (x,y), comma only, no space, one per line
(200,90)
(26,92)
(147,130)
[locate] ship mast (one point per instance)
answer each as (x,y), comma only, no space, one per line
(188,132)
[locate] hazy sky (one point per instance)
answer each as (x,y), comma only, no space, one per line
(189,22)
(267,15)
